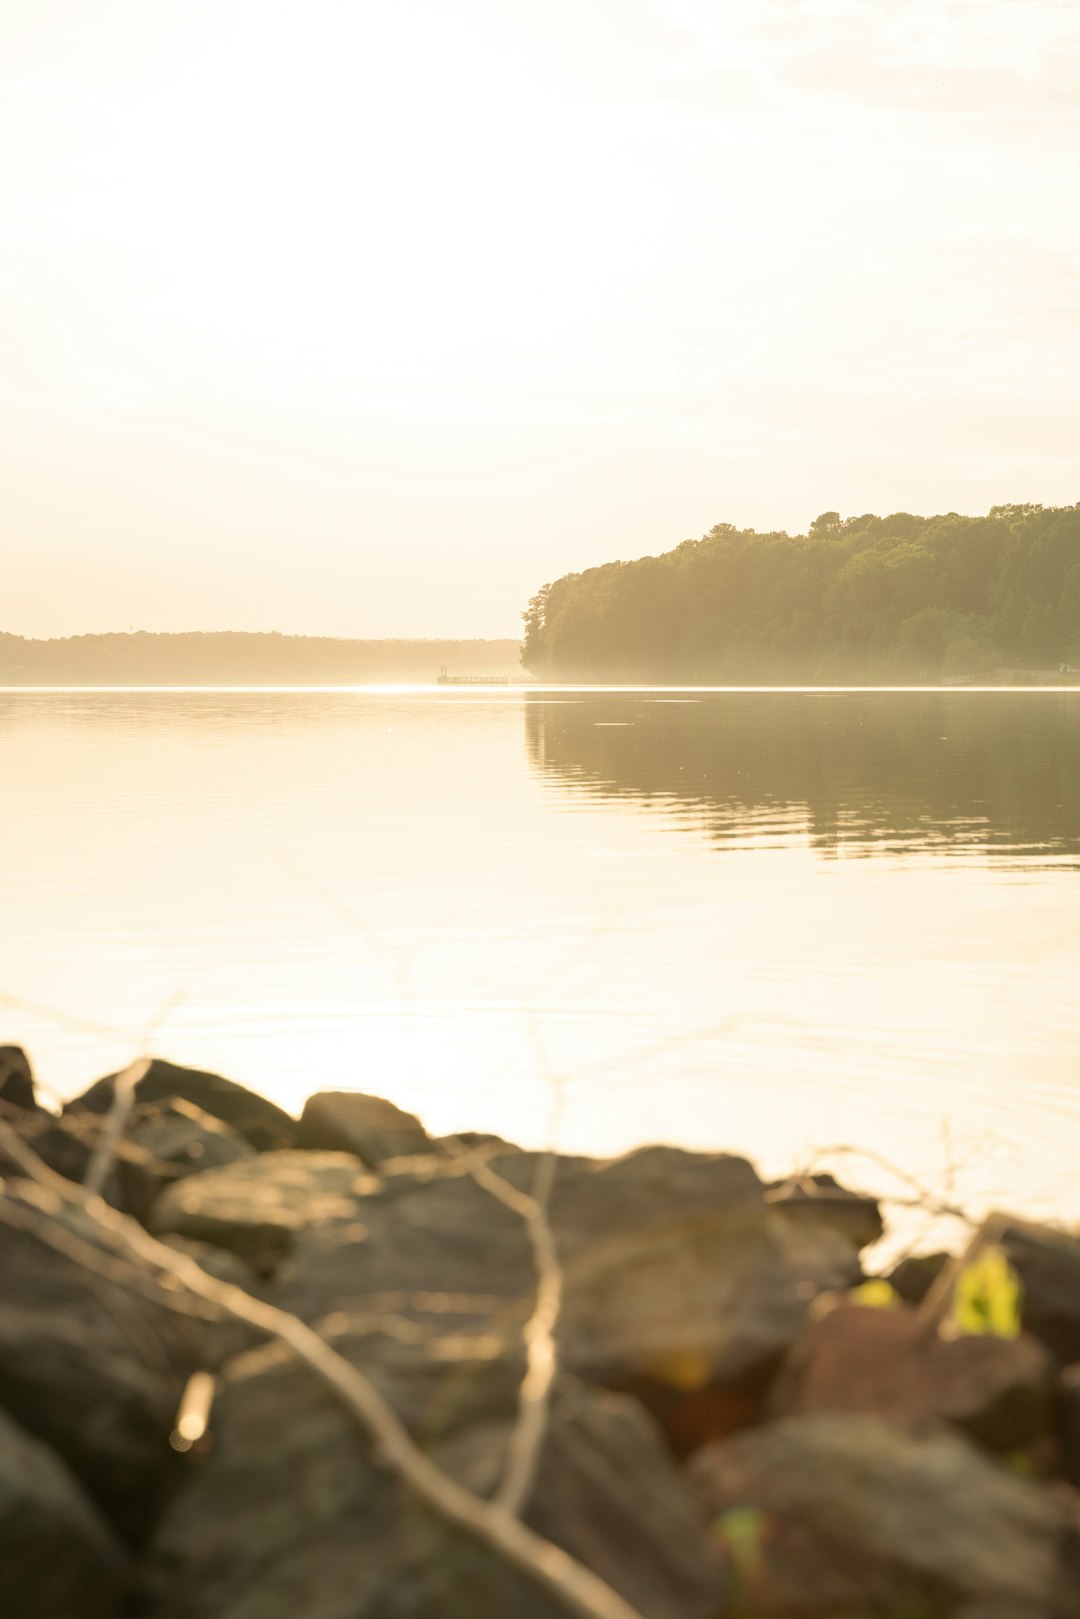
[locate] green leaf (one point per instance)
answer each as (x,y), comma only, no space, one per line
(876,1294)
(742,1531)
(989,1296)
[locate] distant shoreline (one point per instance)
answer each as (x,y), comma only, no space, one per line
(521,684)
(244,659)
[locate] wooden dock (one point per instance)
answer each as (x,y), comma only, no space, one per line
(443,679)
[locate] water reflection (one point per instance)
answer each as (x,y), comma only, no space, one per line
(387,891)
(966,774)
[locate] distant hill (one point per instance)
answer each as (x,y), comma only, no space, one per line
(241,659)
(857,599)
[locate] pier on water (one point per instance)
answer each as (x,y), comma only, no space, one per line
(443,679)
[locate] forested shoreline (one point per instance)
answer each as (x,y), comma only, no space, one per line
(241,658)
(855,599)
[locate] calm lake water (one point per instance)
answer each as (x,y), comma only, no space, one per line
(773,922)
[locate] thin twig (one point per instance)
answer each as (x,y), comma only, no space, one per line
(924,1198)
(36,1222)
(97,1171)
(526,1441)
(577,1588)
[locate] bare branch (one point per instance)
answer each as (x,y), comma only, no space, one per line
(923,1197)
(97,1171)
(193,1415)
(36,1222)
(541,1351)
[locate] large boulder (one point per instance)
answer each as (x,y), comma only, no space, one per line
(291,1512)
(374,1129)
(830,1515)
(420,1243)
(890,1364)
(682,1286)
(57,1558)
(265,1125)
(184,1138)
(679,1274)
(92,1359)
(256,1206)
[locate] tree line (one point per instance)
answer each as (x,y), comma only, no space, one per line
(240,658)
(857,598)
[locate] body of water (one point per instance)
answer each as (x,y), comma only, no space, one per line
(775,922)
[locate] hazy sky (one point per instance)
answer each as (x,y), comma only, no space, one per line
(369,316)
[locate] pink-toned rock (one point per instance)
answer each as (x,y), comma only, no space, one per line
(890,1364)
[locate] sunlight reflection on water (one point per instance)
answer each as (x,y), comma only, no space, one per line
(762,921)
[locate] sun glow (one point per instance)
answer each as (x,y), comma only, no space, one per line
(314,303)
(357,198)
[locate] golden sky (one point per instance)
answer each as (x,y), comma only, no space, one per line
(366,318)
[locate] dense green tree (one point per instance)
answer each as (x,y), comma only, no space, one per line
(859,598)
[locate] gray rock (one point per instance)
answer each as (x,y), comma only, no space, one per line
(289,1513)
(374,1129)
(678,1277)
(88,1364)
(821,1198)
(453,1145)
(257,1206)
(1048,1264)
(914,1276)
(185,1138)
(888,1363)
(67,1144)
(57,1558)
(219,1262)
(426,1245)
(841,1514)
(1070,1424)
(259,1121)
(16,1078)
(678,1273)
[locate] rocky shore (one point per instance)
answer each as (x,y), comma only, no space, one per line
(740,1424)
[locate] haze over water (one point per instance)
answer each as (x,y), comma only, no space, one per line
(769,922)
